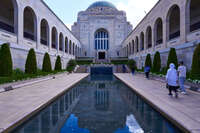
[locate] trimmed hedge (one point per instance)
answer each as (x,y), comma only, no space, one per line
(172,58)
(6,65)
(119,62)
(71,65)
(46,66)
(31,62)
(132,64)
(58,64)
(195,70)
(84,62)
(156,63)
(148,61)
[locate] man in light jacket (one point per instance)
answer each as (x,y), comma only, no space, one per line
(172,80)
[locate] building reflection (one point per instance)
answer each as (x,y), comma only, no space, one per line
(51,119)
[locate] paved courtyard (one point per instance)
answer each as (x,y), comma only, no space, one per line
(184,110)
(15,105)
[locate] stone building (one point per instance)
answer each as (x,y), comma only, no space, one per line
(170,23)
(26,24)
(101,29)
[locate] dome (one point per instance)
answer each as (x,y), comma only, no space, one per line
(102,4)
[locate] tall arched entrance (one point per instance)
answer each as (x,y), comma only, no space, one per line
(101,40)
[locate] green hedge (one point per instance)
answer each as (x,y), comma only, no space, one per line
(46,66)
(156,63)
(6,65)
(84,62)
(172,58)
(119,62)
(31,63)
(148,61)
(58,64)
(132,64)
(71,65)
(195,70)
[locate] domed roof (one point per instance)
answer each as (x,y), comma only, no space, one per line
(102,4)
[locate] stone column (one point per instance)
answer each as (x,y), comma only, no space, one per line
(153,37)
(58,41)
(38,32)
(20,26)
(165,31)
(183,24)
(50,39)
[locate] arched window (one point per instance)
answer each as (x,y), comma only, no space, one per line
(142,41)
(61,42)
(194,15)
(8,15)
(133,46)
(70,47)
(54,38)
(30,24)
(44,32)
(137,45)
(66,45)
(73,49)
(158,31)
(101,40)
(149,37)
(173,18)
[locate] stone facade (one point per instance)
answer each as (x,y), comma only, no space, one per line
(26,24)
(170,23)
(101,15)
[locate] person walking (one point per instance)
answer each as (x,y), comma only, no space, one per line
(124,68)
(182,76)
(172,80)
(147,71)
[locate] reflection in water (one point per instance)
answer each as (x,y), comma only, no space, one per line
(98,104)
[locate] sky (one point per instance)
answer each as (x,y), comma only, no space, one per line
(67,10)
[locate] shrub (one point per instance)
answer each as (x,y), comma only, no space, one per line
(132,64)
(58,64)
(31,63)
(46,66)
(71,65)
(148,61)
(156,63)
(119,62)
(172,58)
(6,64)
(195,70)
(84,62)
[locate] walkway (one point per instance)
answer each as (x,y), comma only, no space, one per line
(18,105)
(184,110)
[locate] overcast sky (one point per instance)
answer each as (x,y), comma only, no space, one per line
(67,10)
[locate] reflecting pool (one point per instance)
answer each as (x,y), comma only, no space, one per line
(98,104)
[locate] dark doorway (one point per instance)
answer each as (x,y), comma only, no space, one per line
(102,55)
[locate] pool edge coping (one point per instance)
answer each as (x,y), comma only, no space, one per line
(165,114)
(39,108)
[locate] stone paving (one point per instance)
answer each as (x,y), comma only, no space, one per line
(185,110)
(17,104)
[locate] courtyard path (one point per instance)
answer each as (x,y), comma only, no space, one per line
(18,105)
(185,110)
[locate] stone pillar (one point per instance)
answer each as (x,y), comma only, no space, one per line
(165,31)
(153,37)
(145,41)
(38,32)
(50,38)
(58,42)
(20,26)
(183,24)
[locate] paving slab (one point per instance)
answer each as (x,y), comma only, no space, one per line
(16,106)
(184,111)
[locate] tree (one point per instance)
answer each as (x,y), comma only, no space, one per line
(195,70)
(31,63)
(172,58)
(58,65)
(148,61)
(71,65)
(132,64)
(156,62)
(6,65)
(46,66)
